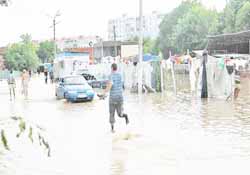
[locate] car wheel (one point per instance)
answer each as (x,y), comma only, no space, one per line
(66,98)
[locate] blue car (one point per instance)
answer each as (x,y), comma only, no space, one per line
(74,89)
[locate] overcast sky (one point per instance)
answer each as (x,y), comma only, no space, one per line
(79,17)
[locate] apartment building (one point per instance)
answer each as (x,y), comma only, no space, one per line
(125,27)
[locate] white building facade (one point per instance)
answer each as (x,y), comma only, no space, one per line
(126,28)
(77,42)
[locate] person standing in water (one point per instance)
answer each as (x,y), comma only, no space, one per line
(51,77)
(25,83)
(12,85)
(46,75)
(115,89)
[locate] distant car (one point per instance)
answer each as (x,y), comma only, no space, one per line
(74,88)
(96,82)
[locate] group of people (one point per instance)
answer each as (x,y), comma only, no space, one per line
(50,74)
(114,87)
(25,78)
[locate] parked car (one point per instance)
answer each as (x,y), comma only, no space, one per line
(74,88)
(95,81)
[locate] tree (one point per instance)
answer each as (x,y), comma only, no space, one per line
(221,23)
(149,45)
(186,27)
(22,55)
(229,17)
(45,51)
(4,2)
(191,31)
(166,40)
(26,38)
(230,14)
(242,17)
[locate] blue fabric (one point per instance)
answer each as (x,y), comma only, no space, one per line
(149,57)
(116,89)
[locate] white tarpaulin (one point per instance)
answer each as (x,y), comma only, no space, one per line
(219,82)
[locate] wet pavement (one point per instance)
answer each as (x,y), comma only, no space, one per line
(167,134)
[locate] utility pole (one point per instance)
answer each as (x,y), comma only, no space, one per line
(54,18)
(114,30)
(54,29)
(102,48)
(140,48)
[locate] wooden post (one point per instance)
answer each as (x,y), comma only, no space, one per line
(161,76)
(173,75)
(204,90)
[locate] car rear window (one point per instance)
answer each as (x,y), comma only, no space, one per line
(74,80)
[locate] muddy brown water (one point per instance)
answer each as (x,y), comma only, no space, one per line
(167,134)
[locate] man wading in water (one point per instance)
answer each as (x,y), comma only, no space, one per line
(115,89)
(12,85)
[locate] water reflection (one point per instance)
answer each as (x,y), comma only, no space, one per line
(168,134)
(186,131)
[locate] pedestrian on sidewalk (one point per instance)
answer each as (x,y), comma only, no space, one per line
(38,71)
(30,73)
(12,85)
(51,76)
(46,75)
(115,89)
(25,83)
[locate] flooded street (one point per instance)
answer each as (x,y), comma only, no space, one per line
(167,134)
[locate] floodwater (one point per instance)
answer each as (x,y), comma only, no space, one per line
(168,134)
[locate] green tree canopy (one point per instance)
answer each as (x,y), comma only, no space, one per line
(166,40)
(187,27)
(149,45)
(231,16)
(191,30)
(45,51)
(22,55)
(243,17)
